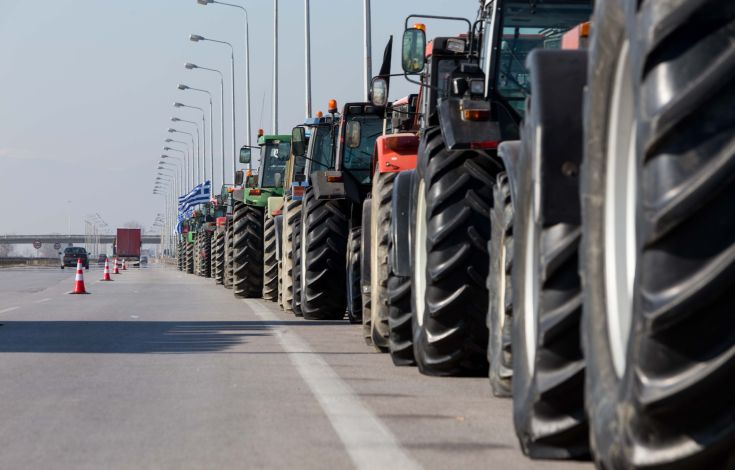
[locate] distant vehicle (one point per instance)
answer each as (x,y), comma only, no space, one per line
(101,260)
(72,254)
(144,259)
(127,244)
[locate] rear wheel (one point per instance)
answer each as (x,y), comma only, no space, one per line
(291,213)
(364,277)
(296,270)
(189,257)
(219,258)
(380,236)
(354,297)
(228,255)
(270,261)
(449,301)
(323,251)
(207,251)
(658,193)
(247,250)
(500,289)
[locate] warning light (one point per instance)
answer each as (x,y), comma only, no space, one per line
(319,114)
(261,132)
(420,26)
(332,106)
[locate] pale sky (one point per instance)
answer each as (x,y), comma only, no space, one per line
(87,86)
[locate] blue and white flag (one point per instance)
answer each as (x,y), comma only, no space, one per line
(199,195)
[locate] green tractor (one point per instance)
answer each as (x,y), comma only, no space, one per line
(254,239)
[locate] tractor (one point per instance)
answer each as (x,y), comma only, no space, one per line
(255,265)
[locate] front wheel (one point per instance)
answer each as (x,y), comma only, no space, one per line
(247,250)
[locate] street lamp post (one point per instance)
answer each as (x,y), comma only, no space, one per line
(184,174)
(204,133)
(211,137)
(191,136)
(186,154)
(247,62)
(190,66)
(197,38)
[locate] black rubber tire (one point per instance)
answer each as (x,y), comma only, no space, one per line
(457,189)
(291,216)
(354,296)
(323,252)
(208,254)
(270,260)
(672,404)
(296,269)
(218,258)
(382,191)
(189,258)
(548,364)
(180,255)
(247,247)
(228,255)
(367,317)
(500,289)
(400,320)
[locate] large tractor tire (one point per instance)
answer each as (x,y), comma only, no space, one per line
(548,364)
(218,259)
(270,260)
(247,246)
(323,251)
(296,268)
(227,273)
(354,296)
(658,192)
(189,258)
(453,199)
(291,214)
(364,277)
(207,254)
(500,289)
(196,254)
(180,255)
(382,191)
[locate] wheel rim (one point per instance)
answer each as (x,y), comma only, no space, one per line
(619,212)
(531,280)
(419,264)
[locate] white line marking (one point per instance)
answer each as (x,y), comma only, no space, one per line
(42,301)
(369,443)
(9,309)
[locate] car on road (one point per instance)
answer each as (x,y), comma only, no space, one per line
(101,260)
(72,254)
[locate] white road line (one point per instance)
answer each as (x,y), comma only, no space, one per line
(42,301)
(369,443)
(9,309)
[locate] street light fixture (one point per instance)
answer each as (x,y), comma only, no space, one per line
(190,66)
(197,38)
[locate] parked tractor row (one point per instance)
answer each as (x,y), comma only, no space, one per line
(552,208)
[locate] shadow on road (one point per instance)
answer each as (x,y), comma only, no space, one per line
(127,337)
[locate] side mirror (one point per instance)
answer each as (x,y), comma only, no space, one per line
(412,53)
(245,155)
(239,175)
(298,141)
(352,134)
(379,95)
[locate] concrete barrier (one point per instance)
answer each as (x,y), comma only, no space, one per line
(20,261)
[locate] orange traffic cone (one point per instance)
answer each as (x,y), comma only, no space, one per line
(106,275)
(79,280)
(125,267)
(116,271)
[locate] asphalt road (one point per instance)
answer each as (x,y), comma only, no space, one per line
(159,369)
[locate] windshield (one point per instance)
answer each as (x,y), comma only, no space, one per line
(274,163)
(525,28)
(322,150)
(358,160)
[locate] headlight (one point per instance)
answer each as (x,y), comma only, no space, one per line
(456,45)
(477,86)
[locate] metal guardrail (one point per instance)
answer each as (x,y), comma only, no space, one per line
(19,261)
(51,239)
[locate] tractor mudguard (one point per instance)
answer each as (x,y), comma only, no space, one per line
(510,153)
(396,152)
(400,224)
(278,221)
(558,79)
(328,185)
(459,133)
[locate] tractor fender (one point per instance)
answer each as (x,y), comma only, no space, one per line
(400,223)
(278,222)
(558,80)
(328,185)
(459,133)
(396,152)
(510,153)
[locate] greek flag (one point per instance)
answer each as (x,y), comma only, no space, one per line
(183,215)
(198,195)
